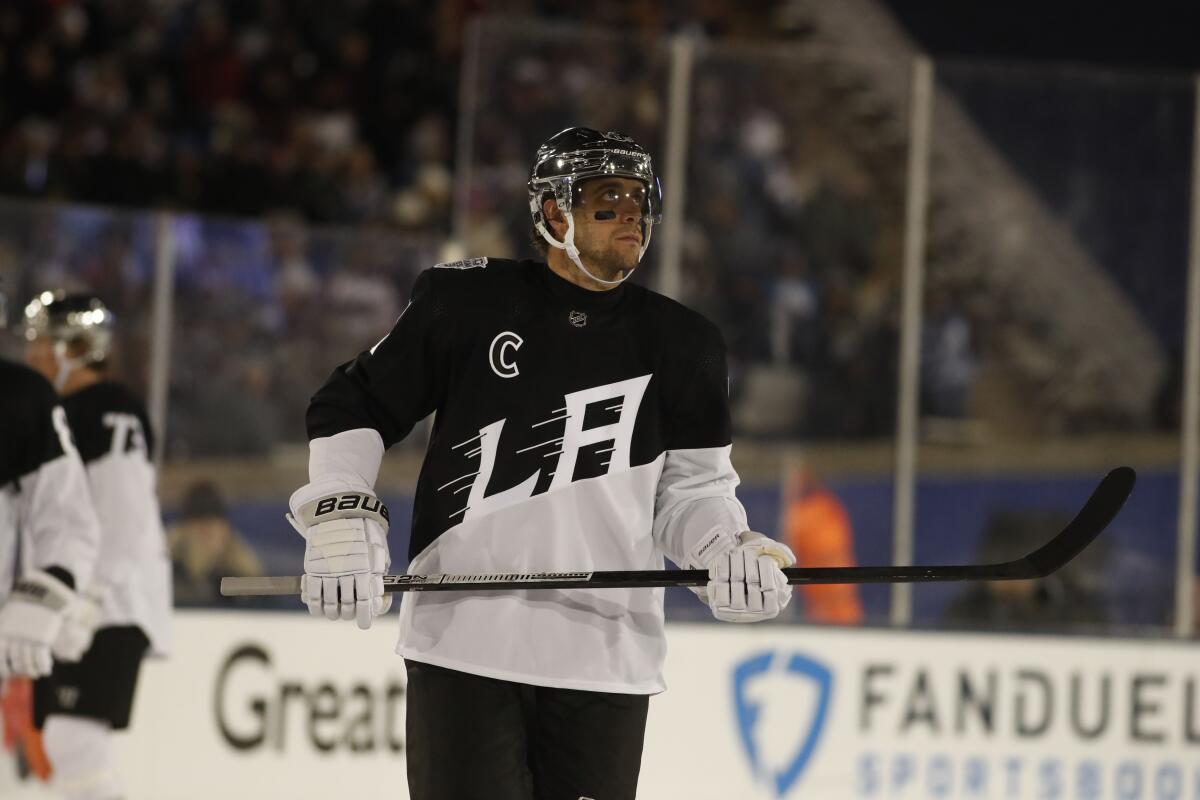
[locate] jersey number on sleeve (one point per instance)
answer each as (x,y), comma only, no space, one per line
(127,434)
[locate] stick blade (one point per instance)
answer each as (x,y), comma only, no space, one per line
(260,587)
(1101,508)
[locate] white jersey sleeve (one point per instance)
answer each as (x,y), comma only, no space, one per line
(695,508)
(133,569)
(45,506)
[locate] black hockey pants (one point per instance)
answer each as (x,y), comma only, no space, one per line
(476,738)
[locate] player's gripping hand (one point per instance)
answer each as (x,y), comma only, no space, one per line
(746,583)
(30,619)
(80,621)
(346,555)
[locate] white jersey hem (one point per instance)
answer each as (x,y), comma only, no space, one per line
(655,687)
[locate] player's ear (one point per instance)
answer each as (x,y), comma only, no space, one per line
(554,217)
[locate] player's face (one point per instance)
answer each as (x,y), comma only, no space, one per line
(39,354)
(608,230)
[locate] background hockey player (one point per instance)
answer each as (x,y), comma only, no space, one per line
(124,612)
(49,535)
(581,423)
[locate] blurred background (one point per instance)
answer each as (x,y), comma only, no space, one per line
(954,249)
(252,187)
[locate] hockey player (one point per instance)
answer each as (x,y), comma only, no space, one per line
(124,611)
(581,423)
(49,535)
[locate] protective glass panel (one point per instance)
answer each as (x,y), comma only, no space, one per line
(527,80)
(263,313)
(84,249)
(1052,338)
(794,225)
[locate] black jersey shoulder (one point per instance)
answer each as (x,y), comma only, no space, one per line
(494,285)
(477,281)
(24,387)
(674,315)
(87,410)
(680,332)
(27,435)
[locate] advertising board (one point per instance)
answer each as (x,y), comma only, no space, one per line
(282,705)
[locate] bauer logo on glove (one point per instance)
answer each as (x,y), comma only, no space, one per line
(351,502)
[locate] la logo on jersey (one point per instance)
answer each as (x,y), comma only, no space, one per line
(622,397)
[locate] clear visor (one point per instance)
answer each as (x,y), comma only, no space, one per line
(606,195)
(565,175)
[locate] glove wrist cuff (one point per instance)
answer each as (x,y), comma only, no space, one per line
(713,545)
(43,589)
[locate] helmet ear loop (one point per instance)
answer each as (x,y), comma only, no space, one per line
(563,195)
(539,221)
(64,364)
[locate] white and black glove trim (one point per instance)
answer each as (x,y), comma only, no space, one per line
(343,505)
(30,620)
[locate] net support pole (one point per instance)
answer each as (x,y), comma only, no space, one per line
(907,411)
(162,320)
(670,272)
(1189,467)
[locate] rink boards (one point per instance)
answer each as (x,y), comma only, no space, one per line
(282,705)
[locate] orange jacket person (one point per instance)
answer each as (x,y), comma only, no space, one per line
(817,528)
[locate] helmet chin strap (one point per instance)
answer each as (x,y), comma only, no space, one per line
(568,244)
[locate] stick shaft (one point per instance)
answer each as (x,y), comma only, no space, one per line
(1096,514)
(627,579)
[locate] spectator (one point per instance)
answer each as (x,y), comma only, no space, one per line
(948,364)
(229,107)
(1061,601)
(816,526)
(205,547)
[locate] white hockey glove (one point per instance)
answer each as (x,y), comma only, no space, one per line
(79,625)
(346,555)
(30,620)
(746,582)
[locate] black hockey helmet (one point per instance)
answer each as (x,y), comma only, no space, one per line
(68,319)
(574,155)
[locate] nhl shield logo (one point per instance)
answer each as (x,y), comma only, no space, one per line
(778,744)
(577,318)
(68,696)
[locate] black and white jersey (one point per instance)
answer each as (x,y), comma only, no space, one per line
(574,430)
(114,438)
(44,499)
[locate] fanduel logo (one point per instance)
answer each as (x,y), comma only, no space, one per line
(771,692)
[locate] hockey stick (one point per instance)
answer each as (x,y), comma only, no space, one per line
(1095,515)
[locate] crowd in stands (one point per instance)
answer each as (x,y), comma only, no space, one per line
(344,113)
(328,128)
(791,241)
(262,310)
(339,111)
